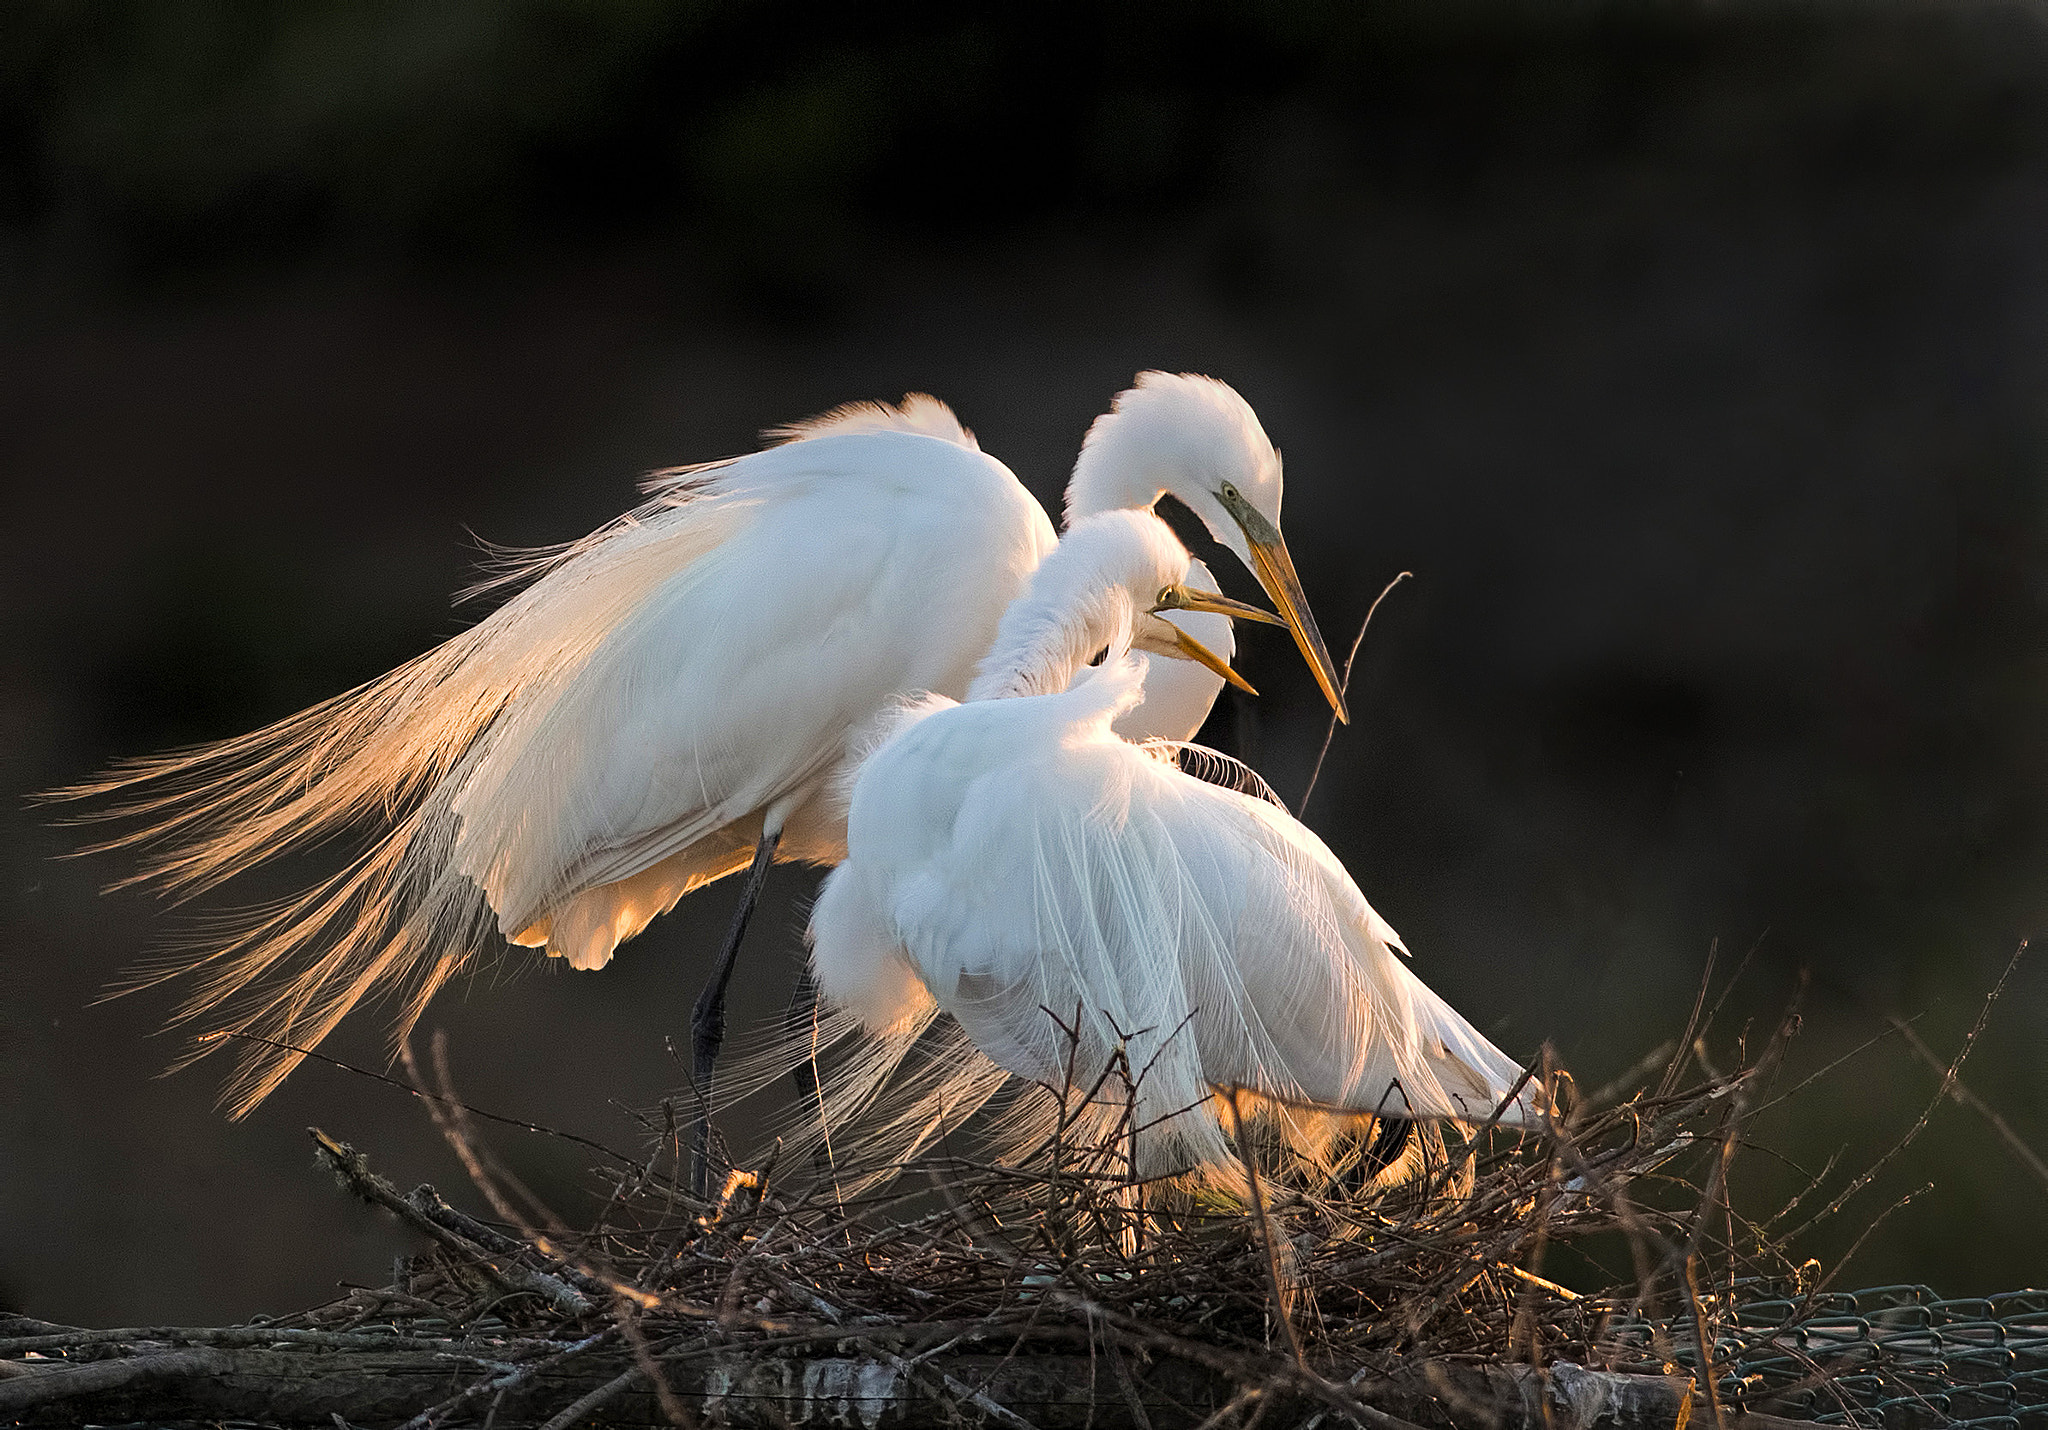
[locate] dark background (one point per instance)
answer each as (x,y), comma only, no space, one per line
(1691,355)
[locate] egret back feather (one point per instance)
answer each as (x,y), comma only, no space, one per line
(1202,934)
(479,757)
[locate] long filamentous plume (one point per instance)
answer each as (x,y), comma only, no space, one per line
(406,914)
(886,1098)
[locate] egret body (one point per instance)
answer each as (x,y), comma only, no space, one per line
(660,704)
(1015,863)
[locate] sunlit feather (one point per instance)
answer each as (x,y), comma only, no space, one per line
(646,705)
(1066,898)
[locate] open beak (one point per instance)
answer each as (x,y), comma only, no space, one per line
(1192,649)
(1185,598)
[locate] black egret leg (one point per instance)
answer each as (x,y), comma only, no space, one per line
(1389,1141)
(707,1021)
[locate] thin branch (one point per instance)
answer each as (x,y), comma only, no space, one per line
(1947,1081)
(1344,688)
(1963,1097)
(421,1093)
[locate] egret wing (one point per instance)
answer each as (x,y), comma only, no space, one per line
(1092,901)
(548,749)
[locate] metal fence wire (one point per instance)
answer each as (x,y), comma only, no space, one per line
(1896,1357)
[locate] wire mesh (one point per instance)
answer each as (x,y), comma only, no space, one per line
(1896,1357)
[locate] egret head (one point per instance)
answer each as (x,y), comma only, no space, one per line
(1195,438)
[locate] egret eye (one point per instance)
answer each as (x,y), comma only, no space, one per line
(1230,492)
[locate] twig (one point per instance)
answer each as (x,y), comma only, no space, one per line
(1963,1097)
(581,1408)
(1692,1023)
(353,1169)
(1865,1235)
(449,1113)
(1947,1079)
(1343,688)
(1282,1310)
(510,1381)
(1036,1258)
(960,1390)
(521,1123)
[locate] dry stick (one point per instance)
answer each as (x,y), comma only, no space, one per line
(1692,1023)
(1703,1344)
(30,1326)
(1344,686)
(1125,1385)
(644,1362)
(1826,1170)
(353,1168)
(1238,1402)
(1947,1079)
(430,1204)
(1525,1299)
(580,1409)
(1963,1097)
(1817,1074)
(476,1157)
(959,1389)
(1857,1245)
(1265,1230)
(448,1113)
(65,1382)
(511,1380)
(1733,1119)
(1734,978)
(226,1337)
(1759,1075)
(411,1091)
(648,1367)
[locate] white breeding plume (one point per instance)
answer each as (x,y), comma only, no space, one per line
(1018,866)
(660,704)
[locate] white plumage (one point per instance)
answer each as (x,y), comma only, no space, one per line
(1016,864)
(657,702)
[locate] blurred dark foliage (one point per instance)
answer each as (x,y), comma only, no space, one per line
(1693,355)
(775,140)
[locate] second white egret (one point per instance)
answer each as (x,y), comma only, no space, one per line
(1014,863)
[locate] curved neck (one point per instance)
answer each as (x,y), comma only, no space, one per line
(1109,485)
(1121,468)
(1044,641)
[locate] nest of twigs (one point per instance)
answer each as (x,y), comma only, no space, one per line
(1054,1290)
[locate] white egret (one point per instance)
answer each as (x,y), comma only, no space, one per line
(1014,863)
(661,704)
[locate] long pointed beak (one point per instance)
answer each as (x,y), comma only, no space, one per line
(1186,598)
(1192,649)
(1275,570)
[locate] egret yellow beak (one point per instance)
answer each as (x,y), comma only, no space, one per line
(1188,648)
(1275,570)
(1186,598)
